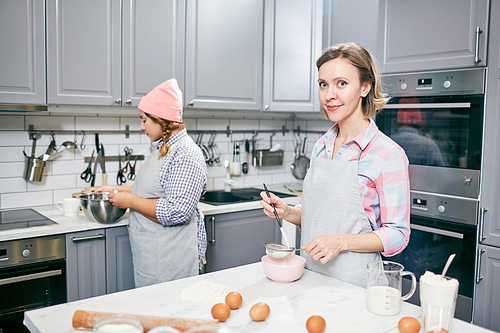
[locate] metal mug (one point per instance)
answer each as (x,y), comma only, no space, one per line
(384,287)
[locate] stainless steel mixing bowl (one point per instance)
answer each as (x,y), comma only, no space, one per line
(97,207)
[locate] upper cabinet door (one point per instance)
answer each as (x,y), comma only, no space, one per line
(22,54)
(432,35)
(153,46)
(292,43)
(84,52)
(224,54)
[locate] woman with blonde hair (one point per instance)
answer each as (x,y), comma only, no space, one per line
(355,202)
(166,229)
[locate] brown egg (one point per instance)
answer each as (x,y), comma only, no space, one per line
(316,324)
(221,311)
(259,312)
(409,325)
(234,300)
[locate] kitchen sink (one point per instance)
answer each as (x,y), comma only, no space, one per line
(238,195)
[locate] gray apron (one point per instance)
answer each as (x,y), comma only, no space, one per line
(331,204)
(160,253)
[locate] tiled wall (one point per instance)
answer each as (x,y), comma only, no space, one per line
(62,172)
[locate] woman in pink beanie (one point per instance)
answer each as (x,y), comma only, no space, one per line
(166,229)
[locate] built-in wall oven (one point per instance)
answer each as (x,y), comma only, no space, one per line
(437,117)
(32,271)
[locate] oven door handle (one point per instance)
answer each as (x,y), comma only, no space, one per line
(437,231)
(29,277)
(428,106)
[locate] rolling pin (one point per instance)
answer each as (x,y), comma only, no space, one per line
(86,319)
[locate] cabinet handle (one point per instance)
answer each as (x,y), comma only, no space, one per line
(481,237)
(191,103)
(129,101)
(478,32)
(29,277)
(266,107)
(478,267)
(87,238)
(118,101)
(212,241)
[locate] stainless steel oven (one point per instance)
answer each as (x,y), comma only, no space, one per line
(437,117)
(32,275)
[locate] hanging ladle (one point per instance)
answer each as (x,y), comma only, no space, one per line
(68,144)
(277,251)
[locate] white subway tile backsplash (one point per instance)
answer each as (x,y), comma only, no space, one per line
(62,172)
(14,169)
(134,123)
(97,123)
(53,183)
(67,193)
(62,167)
(10,185)
(19,200)
(13,154)
(11,138)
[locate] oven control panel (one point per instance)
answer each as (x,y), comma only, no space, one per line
(455,82)
(32,250)
(446,208)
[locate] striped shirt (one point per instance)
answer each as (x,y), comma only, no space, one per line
(383,182)
(184,178)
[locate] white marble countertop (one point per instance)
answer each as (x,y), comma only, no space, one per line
(341,304)
(82,223)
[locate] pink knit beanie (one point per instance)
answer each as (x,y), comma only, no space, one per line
(164,101)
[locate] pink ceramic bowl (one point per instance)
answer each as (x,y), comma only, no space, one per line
(283,270)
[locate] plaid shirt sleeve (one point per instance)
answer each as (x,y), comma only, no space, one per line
(183,180)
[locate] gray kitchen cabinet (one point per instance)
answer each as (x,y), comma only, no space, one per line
(292,43)
(487,291)
(351,21)
(153,46)
(98,262)
(236,239)
(223,67)
(432,35)
(85,264)
(86,43)
(119,267)
(22,55)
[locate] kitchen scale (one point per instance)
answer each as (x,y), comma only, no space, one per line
(22,218)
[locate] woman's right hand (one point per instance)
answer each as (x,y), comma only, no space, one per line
(279,204)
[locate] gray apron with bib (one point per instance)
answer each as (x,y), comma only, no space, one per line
(160,253)
(331,204)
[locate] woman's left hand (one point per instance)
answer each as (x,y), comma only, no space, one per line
(324,248)
(120,199)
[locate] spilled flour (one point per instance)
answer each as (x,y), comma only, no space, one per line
(204,292)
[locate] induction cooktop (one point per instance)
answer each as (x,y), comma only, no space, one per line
(22,218)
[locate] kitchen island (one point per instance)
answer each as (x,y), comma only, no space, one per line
(341,304)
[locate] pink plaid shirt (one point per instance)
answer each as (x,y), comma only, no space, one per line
(383,182)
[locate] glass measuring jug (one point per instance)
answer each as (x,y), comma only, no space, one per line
(384,287)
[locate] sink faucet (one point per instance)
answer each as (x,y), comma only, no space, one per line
(228,181)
